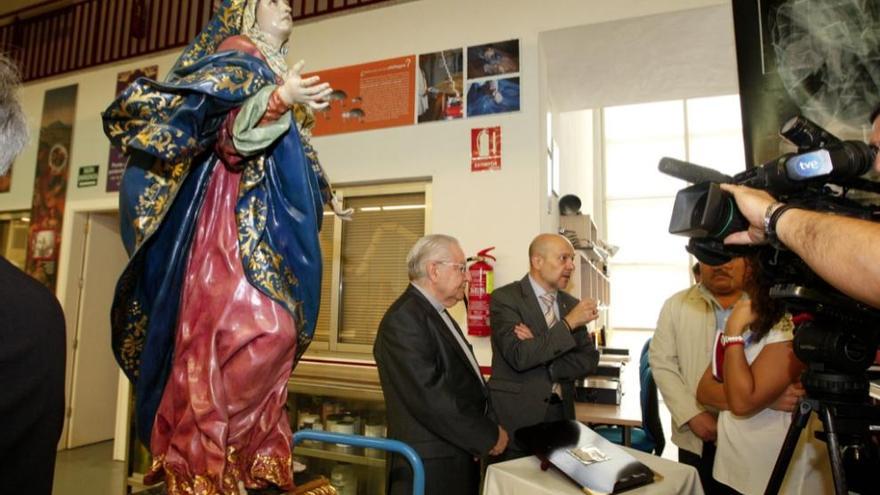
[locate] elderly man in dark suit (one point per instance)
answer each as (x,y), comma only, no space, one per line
(435,396)
(540,343)
(32,343)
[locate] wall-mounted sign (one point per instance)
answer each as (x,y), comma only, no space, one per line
(88,176)
(368,96)
(485,149)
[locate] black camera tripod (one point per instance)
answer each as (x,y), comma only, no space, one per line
(849,420)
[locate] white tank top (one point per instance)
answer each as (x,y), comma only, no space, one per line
(748,446)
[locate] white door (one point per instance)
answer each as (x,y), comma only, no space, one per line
(92,408)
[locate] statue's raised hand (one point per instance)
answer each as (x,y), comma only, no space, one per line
(340,210)
(306,91)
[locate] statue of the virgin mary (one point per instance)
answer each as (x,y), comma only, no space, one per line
(220,204)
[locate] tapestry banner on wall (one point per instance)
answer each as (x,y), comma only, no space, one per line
(50,184)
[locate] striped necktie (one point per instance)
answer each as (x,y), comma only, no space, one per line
(549,300)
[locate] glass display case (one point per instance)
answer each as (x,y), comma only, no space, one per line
(342,398)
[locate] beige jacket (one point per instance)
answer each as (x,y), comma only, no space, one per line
(680,352)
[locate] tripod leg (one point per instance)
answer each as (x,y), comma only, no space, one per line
(834,451)
(801,416)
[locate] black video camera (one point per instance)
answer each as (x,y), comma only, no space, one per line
(819,176)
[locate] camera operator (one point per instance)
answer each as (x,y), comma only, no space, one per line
(843,251)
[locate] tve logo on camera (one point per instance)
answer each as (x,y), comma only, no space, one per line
(809,165)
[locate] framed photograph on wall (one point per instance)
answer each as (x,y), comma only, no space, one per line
(440,86)
(493,59)
(493,96)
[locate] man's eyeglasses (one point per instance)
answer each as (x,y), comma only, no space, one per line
(461,267)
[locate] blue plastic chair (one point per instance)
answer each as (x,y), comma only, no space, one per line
(395,446)
(649,438)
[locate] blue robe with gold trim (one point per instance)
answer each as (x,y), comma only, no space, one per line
(169,130)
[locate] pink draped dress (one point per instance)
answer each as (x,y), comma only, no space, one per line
(222,418)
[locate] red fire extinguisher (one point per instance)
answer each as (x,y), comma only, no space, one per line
(480,285)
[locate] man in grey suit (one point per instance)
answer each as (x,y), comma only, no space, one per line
(435,396)
(540,343)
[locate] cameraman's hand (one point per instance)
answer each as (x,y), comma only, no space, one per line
(753,205)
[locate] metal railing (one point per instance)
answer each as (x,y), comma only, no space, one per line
(389,445)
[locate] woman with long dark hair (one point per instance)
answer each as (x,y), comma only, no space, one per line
(758,366)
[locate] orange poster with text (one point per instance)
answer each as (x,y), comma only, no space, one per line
(368,96)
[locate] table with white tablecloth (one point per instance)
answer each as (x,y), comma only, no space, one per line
(524,477)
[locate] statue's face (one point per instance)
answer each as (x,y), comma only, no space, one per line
(273,18)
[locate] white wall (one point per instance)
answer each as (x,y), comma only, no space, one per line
(574,135)
(505,208)
(667,56)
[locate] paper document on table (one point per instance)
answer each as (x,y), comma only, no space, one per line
(590,460)
(588,454)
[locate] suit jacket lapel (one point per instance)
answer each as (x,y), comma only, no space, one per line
(563,303)
(443,330)
(532,310)
(468,344)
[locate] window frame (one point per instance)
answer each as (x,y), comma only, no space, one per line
(688,133)
(333,347)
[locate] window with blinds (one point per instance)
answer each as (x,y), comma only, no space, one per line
(374,250)
(322,327)
(365,262)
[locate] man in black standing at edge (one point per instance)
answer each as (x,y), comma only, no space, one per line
(32,343)
(540,343)
(435,397)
